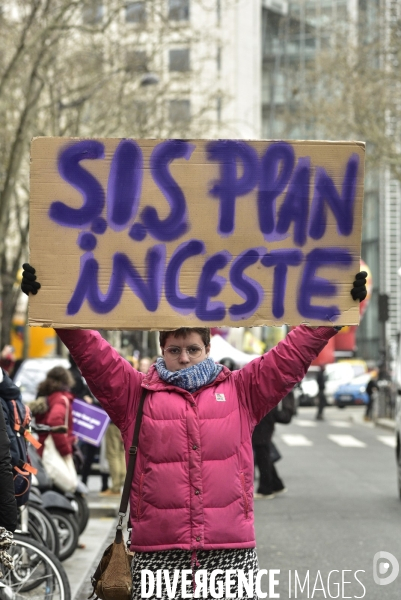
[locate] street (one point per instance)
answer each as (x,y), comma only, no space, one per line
(341,508)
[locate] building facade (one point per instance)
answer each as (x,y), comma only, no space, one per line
(293,34)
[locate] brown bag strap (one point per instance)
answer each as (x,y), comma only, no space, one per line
(130,468)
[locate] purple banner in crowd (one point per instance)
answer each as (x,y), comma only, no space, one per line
(89,422)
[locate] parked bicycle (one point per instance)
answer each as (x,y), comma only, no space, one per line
(35,520)
(37,573)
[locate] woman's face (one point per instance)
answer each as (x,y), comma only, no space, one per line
(180,353)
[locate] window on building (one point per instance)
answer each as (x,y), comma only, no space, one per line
(137,61)
(92,12)
(326,13)
(310,42)
(135,12)
(179,111)
(179,59)
(178,10)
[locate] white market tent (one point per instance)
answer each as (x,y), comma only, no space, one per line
(220,348)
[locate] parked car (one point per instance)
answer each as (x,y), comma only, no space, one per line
(354,392)
(33,371)
(340,373)
(309,388)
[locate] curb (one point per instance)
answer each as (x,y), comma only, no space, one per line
(99,509)
(386,424)
(103,506)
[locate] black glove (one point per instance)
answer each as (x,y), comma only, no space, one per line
(29,285)
(359,291)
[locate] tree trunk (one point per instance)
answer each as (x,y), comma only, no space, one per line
(9,301)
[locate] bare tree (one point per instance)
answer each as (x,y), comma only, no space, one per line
(93,68)
(352,90)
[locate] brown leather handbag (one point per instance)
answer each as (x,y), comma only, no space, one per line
(112,579)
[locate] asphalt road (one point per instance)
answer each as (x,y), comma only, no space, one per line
(341,508)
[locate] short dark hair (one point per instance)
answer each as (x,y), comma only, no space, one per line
(204,332)
(229,363)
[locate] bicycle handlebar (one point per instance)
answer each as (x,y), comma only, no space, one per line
(48,429)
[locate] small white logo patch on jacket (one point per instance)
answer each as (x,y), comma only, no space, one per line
(220,397)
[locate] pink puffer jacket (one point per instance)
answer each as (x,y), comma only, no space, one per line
(193,481)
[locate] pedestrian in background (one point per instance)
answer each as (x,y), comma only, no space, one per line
(7,359)
(115,455)
(8,504)
(266,453)
(81,391)
(371,389)
(133,361)
(57,388)
(144,364)
(229,363)
(321,382)
(104,468)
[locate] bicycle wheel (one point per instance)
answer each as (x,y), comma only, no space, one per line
(37,574)
(36,534)
(31,528)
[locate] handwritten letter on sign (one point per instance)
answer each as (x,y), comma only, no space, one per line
(158,234)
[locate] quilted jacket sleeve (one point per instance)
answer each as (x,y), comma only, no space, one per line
(266,380)
(57,415)
(112,380)
(8,506)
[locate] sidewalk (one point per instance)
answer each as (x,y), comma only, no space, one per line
(386,423)
(101,506)
(358,417)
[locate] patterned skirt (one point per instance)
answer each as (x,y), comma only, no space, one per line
(174,562)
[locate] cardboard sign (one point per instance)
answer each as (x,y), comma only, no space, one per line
(160,234)
(89,422)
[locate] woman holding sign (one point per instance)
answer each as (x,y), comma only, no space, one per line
(56,388)
(191,502)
